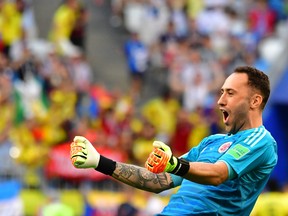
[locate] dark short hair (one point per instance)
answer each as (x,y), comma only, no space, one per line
(258,80)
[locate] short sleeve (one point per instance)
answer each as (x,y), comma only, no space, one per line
(243,157)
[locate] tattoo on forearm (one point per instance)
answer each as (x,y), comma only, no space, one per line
(141,178)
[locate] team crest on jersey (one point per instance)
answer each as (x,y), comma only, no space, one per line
(224,147)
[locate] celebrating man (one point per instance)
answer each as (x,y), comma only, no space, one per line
(224,174)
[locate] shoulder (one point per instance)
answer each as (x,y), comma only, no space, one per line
(211,139)
(216,136)
(259,136)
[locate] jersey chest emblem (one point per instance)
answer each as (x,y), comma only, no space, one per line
(224,147)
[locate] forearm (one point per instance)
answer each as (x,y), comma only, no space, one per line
(141,178)
(84,155)
(207,173)
(161,160)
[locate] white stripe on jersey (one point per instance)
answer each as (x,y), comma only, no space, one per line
(259,133)
(259,138)
(251,135)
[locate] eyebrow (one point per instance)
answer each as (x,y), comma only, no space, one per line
(227,89)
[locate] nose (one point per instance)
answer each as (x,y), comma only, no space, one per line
(222,101)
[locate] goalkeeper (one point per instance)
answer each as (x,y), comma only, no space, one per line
(224,174)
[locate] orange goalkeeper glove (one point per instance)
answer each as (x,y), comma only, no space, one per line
(161,159)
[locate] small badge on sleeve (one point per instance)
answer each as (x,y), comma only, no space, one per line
(224,147)
(238,151)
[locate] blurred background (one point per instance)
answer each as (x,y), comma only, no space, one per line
(123,73)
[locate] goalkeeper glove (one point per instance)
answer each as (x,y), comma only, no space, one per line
(84,155)
(161,159)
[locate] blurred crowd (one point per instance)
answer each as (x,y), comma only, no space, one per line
(48,93)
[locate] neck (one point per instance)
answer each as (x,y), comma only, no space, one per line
(255,119)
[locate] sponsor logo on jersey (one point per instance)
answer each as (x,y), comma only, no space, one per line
(224,147)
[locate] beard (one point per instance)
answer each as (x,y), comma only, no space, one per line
(238,120)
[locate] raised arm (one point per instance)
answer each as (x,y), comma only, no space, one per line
(141,178)
(161,160)
(84,155)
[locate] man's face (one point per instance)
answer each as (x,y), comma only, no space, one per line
(234,102)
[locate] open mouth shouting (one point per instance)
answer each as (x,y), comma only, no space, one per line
(226,115)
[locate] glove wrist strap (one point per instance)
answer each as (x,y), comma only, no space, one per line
(106,166)
(182,167)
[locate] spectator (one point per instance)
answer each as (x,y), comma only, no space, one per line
(142,143)
(183,130)
(179,17)
(161,112)
(261,19)
(137,57)
(28,19)
(63,23)
(78,33)
(10,25)
(82,77)
(31,99)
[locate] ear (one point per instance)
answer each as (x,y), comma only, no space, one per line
(256,101)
